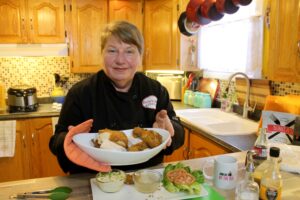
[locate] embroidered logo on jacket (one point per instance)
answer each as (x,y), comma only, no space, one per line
(150,102)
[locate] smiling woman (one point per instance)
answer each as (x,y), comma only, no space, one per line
(117,98)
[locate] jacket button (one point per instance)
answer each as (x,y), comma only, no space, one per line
(113,124)
(134,97)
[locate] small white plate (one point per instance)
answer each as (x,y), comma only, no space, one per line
(116,158)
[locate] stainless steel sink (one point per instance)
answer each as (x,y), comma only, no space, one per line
(218,122)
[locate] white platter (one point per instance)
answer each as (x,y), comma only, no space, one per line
(129,192)
(117,158)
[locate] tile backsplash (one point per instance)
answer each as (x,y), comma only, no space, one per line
(39,72)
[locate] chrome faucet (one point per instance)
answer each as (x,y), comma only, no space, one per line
(246,103)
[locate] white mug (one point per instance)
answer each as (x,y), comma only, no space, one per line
(225,172)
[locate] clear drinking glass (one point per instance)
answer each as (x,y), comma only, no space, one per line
(247,190)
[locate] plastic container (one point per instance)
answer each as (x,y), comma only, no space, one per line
(111,181)
(58,95)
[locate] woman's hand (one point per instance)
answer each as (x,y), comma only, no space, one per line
(163,121)
(84,127)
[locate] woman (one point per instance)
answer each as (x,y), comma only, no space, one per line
(117,97)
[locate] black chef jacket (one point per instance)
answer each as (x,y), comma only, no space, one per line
(96,98)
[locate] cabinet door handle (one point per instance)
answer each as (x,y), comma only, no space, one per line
(190,154)
(31,25)
(24,140)
(298,48)
(267,17)
(33,138)
(185,153)
(23,24)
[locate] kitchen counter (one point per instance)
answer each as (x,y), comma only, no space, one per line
(44,110)
(233,143)
(80,183)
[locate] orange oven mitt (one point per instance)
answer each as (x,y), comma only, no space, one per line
(287,104)
(76,155)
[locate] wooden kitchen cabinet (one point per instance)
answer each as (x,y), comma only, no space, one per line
(161,35)
(88,18)
(32,21)
(182,152)
(201,146)
(196,146)
(128,10)
(283,50)
(33,158)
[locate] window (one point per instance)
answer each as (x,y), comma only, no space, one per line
(233,44)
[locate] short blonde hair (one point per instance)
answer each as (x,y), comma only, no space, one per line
(126,32)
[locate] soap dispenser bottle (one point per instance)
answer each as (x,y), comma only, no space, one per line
(248,188)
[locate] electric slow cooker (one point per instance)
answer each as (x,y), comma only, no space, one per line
(22,98)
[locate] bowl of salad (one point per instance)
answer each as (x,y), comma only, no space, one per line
(112,181)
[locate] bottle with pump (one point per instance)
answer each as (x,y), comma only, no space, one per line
(271,182)
(248,189)
(261,147)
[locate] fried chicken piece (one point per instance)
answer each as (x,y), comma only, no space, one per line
(117,137)
(151,138)
(138,147)
(129,179)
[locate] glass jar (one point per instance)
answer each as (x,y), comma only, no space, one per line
(186,96)
(191,98)
(206,100)
(198,100)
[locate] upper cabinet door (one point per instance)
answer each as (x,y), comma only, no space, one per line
(161,50)
(12,21)
(130,10)
(284,41)
(46,21)
(88,20)
(38,21)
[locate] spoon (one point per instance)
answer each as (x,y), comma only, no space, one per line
(64,189)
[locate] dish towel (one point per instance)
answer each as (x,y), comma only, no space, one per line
(54,122)
(7,138)
(290,155)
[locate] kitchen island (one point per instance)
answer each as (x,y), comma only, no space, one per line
(81,186)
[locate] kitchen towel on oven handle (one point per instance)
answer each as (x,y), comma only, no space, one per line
(7,138)
(287,104)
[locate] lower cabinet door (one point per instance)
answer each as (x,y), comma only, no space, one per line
(32,158)
(202,147)
(43,162)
